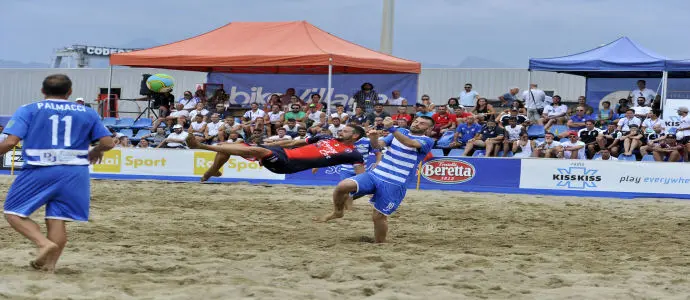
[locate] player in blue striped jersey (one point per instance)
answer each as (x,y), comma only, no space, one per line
(56,137)
(387,182)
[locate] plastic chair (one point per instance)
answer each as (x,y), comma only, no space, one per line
(536,131)
(437,152)
(124,123)
(596,156)
(558,129)
(127,132)
(456,152)
(479,153)
(109,122)
(648,157)
(500,154)
(627,157)
(142,123)
(141,133)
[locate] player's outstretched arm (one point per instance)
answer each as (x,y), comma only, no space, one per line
(289,143)
(104,144)
(10,142)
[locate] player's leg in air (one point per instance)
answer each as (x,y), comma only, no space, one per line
(223,153)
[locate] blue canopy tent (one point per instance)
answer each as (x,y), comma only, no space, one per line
(621,58)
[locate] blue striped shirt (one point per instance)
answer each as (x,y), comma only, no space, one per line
(363,146)
(399,163)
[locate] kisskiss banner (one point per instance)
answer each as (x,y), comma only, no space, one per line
(248,88)
(168,162)
(605,176)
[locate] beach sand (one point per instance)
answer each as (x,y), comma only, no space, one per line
(168,240)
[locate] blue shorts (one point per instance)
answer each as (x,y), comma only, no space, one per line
(64,190)
(386,196)
(345,174)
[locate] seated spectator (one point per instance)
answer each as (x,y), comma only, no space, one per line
(577,121)
(581,102)
(609,139)
(396,99)
(651,140)
(325,132)
(512,135)
(285,98)
(254,113)
(466,132)
(143,144)
(200,96)
(402,114)
(629,119)
(668,150)
(606,114)
(124,142)
(177,116)
(281,136)
(291,128)
(523,147)
(336,127)
(491,135)
(426,102)
(233,138)
(452,104)
(520,107)
(483,111)
(259,128)
(377,124)
(298,115)
(402,123)
(605,155)
(573,148)
(301,134)
(229,126)
(641,110)
(316,100)
(631,140)
(548,148)
(588,135)
(296,100)
(156,136)
(214,132)
(219,97)
(359,117)
(508,98)
(622,106)
(188,102)
(198,127)
(199,110)
(554,113)
(502,120)
(423,110)
(651,121)
(443,121)
(176,139)
(340,114)
(274,118)
(316,119)
(378,112)
(683,131)
(461,115)
(274,100)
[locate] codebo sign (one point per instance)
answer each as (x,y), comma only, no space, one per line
(103,51)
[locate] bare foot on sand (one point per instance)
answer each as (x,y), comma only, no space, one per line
(43,259)
(208,175)
(328,217)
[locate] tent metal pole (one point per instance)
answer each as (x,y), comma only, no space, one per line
(529,79)
(330,82)
(664,88)
(110,85)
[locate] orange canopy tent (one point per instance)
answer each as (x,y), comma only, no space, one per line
(267,47)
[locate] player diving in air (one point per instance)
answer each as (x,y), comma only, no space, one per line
(283,158)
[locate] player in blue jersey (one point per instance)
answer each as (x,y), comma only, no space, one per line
(363,146)
(387,183)
(56,137)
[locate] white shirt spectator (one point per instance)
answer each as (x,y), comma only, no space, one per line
(513,133)
(684,123)
(548,100)
(468,98)
(625,123)
(182,136)
(335,131)
(648,95)
(553,144)
(289,129)
(252,115)
(396,101)
(213,128)
(275,117)
(610,158)
(278,138)
(648,123)
(195,112)
(188,104)
(534,102)
(196,127)
(642,110)
(552,111)
(315,116)
(340,116)
(580,153)
(180,113)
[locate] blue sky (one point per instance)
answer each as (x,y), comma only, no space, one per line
(432,31)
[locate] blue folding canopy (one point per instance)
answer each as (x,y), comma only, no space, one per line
(678,65)
(620,58)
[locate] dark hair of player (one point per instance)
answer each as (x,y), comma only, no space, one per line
(57,85)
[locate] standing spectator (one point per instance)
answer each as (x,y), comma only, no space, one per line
(366,97)
(254,113)
(402,114)
(641,110)
(554,113)
(340,113)
(606,114)
(396,99)
(336,127)
(188,101)
(668,150)
(508,98)
(298,115)
(548,148)
(605,155)
(588,135)
(581,101)
(466,132)
(491,135)
(573,148)
(512,135)
(534,102)
(642,91)
(378,112)
(629,119)
(468,97)
(176,139)
(443,121)
(483,111)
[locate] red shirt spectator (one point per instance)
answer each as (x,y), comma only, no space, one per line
(402,114)
(442,117)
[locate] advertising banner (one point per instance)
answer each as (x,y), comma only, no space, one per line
(470,174)
(244,89)
(605,176)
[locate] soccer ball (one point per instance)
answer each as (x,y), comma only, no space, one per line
(160,83)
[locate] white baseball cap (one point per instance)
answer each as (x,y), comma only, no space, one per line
(80,99)
(177,126)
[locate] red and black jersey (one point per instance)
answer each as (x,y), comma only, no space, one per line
(320,151)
